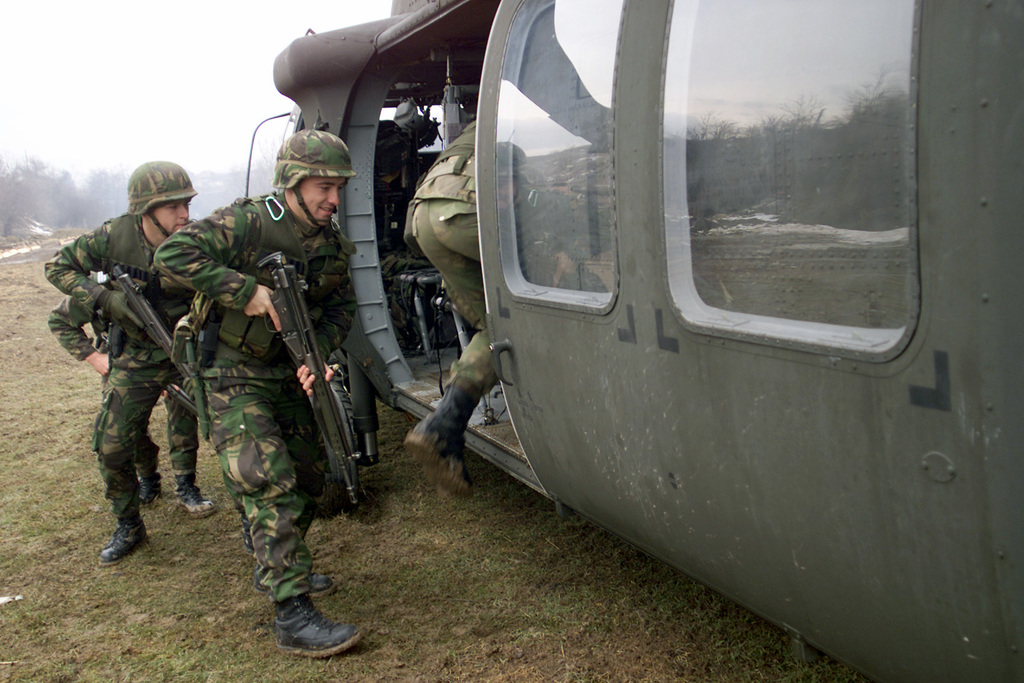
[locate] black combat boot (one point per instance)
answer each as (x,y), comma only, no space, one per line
(319,584)
(437,442)
(302,630)
(129,533)
(189,495)
(149,488)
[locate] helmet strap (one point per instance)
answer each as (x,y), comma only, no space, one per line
(158,226)
(305,209)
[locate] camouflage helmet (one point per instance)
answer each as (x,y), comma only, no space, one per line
(155,183)
(311,153)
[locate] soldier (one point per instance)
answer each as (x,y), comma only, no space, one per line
(444,225)
(67,321)
(158,199)
(263,427)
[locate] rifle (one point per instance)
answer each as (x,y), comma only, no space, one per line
(154,327)
(115,347)
(300,340)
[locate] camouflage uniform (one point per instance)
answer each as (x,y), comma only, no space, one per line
(445,227)
(263,427)
(138,376)
(66,322)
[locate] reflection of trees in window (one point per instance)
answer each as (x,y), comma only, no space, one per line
(851,172)
(805,217)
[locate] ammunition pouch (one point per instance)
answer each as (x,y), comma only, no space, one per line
(189,328)
(255,337)
(180,337)
(208,338)
(115,341)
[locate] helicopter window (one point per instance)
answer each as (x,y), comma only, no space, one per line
(553,156)
(789,160)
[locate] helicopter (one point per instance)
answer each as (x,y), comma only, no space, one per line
(755,308)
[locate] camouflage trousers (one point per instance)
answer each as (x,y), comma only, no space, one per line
(452,243)
(121,441)
(147,453)
(269,449)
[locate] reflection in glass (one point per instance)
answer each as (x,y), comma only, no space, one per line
(554,177)
(789,124)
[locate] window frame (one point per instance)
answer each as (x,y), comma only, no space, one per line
(859,343)
(519,288)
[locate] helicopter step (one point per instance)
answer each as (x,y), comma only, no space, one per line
(490,433)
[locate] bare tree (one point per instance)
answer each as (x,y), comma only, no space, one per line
(13,203)
(106,195)
(877,99)
(31,193)
(711,126)
(803,112)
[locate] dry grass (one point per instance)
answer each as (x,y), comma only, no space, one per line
(491,588)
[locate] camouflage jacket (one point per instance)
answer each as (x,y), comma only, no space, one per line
(452,177)
(70,271)
(218,256)
(66,322)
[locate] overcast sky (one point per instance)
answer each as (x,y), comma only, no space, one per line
(115,83)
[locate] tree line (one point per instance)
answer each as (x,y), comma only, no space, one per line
(33,193)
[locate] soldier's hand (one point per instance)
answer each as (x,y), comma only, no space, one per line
(115,303)
(306,378)
(100,362)
(260,304)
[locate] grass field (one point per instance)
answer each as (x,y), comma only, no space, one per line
(494,587)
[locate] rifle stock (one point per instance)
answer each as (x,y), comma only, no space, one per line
(300,340)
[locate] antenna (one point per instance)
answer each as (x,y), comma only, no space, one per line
(252,144)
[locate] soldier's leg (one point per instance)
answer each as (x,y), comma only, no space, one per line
(454,248)
(121,427)
(147,460)
(147,456)
(452,245)
(146,463)
(236,500)
(298,428)
(183,437)
(255,459)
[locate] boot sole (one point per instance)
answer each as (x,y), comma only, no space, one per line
(321,654)
(198,513)
(424,449)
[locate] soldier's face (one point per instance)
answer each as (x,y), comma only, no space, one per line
(321,196)
(172,216)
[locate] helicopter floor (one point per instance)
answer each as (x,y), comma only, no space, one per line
(490,434)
